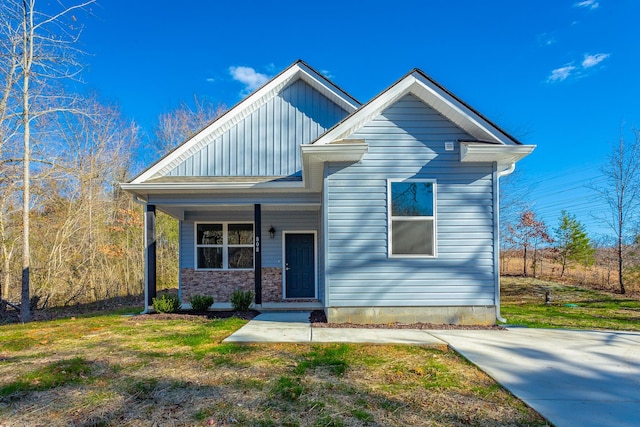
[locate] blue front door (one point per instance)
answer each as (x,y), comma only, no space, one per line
(300,266)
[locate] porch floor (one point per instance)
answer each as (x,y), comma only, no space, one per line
(289,306)
(269,306)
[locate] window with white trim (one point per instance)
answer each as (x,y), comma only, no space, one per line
(224,246)
(412,220)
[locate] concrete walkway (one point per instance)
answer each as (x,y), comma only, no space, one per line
(295,327)
(572,378)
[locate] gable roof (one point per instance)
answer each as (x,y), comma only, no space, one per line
(416,82)
(492,144)
(299,70)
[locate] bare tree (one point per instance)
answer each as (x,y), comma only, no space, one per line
(514,199)
(176,126)
(528,233)
(38,50)
(78,220)
(621,192)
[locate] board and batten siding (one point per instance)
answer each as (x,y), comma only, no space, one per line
(407,141)
(267,141)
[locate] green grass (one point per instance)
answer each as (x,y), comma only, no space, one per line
(50,376)
(332,358)
(115,370)
(523,303)
(288,388)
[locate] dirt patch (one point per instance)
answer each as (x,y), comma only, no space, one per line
(197,315)
(318,319)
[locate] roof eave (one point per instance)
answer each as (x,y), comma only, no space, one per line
(145,188)
(480,152)
(342,151)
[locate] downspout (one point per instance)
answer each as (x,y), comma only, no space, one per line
(499,174)
(142,202)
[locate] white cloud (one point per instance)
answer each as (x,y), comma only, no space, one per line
(562,73)
(589,4)
(249,77)
(210,80)
(327,74)
(546,39)
(593,60)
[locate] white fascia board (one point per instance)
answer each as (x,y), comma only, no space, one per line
(456,111)
(242,110)
(471,152)
(330,90)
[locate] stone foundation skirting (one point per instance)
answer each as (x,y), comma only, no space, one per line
(221,284)
(474,315)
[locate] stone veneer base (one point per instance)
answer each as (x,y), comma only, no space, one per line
(220,284)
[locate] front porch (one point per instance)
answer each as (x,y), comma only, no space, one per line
(271,249)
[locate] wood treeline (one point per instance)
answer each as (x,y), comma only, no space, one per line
(68,234)
(86,234)
(603,273)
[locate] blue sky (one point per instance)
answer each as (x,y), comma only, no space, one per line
(562,75)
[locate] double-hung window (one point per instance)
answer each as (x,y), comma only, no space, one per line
(224,246)
(412,219)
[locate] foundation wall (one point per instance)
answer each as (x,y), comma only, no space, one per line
(467,315)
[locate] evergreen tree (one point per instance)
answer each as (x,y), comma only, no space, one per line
(573,242)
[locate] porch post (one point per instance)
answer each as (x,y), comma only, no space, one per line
(257,218)
(150,254)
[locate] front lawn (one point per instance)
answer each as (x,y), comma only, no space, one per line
(122,370)
(523,303)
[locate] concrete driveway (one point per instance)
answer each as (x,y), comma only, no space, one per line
(572,378)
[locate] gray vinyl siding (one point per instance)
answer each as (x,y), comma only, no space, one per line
(407,141)
(267,142)
(307,220)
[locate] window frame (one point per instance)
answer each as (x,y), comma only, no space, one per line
(225,245)
(432,218)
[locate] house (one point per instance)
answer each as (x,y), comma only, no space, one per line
(378,212)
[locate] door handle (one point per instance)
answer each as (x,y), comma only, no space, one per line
(286,267)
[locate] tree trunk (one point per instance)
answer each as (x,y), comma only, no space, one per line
(6,274)
(525,272)
(620,265)
(27,28)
